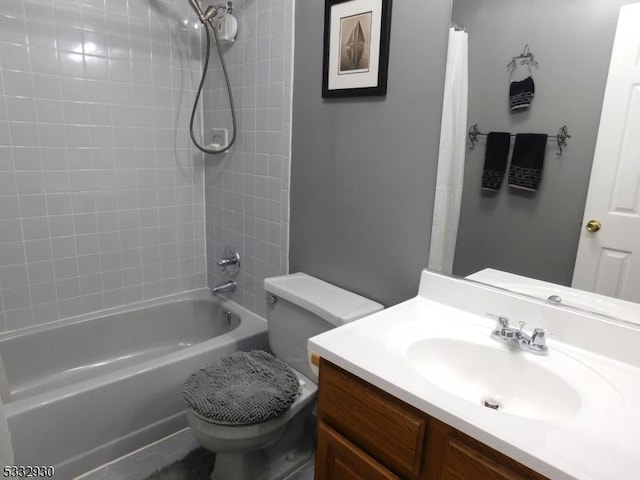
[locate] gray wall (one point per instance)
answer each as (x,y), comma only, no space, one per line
(363,170)
(247,189)
(533,234)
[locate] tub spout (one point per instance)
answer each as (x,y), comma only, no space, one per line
(229,286)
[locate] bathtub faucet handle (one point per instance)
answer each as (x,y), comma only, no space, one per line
(230,261)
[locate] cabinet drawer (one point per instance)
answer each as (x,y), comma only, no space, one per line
(382,426)
(343,460)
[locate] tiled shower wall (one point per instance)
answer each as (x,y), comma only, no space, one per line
(101,193)
(247,190)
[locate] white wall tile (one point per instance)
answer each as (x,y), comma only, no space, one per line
(94,117)
(247,190)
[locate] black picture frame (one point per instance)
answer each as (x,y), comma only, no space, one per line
(351,56)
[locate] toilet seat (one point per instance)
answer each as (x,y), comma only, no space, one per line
(243,388)
(227,437)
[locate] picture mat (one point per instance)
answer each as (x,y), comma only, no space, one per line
(364,79)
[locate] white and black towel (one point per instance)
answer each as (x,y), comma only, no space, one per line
(525,171)
(495,160)
(521,93)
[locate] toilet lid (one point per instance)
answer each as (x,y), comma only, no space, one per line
(242,388)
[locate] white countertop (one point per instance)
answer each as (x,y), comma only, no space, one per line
(600,442)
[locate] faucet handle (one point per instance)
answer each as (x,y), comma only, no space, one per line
(502,323)
(230,261)
(539,337)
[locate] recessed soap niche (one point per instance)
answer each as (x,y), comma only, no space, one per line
(218,138)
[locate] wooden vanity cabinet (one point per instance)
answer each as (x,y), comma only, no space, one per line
(365,433)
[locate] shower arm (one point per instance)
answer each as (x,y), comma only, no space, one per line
(211,12)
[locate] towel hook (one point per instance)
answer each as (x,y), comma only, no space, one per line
(526,58)
(561,138)
(473,135)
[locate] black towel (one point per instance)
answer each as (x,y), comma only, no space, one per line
(521,93)
(495,160)
(527,161)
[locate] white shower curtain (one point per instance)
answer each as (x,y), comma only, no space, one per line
(453,136)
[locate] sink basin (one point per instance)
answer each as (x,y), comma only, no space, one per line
(499,378)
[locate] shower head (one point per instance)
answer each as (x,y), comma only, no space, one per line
(196,7)
(211,11)
(208,14)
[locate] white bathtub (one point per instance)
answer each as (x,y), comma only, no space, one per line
(81,392)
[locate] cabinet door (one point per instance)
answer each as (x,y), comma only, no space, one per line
(337,458)
(455,456)
(384,427)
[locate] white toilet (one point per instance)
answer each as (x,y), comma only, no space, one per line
(299,307)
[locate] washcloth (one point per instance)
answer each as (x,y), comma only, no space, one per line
(495,160)
(242,388)
(521,93)
(527,160)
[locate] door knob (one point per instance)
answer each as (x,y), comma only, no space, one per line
(593,226)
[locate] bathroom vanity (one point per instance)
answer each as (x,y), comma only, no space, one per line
(424,390)
(366,433)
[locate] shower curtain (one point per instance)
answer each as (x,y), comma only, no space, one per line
(453,134)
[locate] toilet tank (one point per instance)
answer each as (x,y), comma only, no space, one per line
(304,307)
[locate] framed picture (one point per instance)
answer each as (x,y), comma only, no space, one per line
(356,47)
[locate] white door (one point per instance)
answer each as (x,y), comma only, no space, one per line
(608,260)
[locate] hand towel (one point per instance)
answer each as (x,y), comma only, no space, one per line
(495,160)
(527,160)
(521,93)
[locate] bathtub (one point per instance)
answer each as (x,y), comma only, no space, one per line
(81,392)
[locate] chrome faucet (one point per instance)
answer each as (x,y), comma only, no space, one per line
(536,343)
(230,261)
(224,287)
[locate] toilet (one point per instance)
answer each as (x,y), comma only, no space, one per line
(299,307)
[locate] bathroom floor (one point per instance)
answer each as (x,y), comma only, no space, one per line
(140,464)
(305,473)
